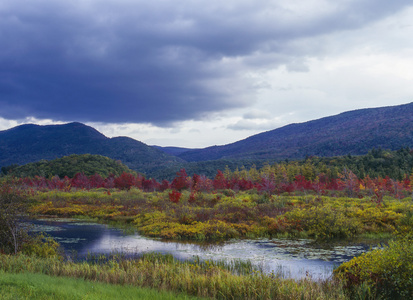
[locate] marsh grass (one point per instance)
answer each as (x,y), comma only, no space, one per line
(224,214)
(378,236)
(216,280)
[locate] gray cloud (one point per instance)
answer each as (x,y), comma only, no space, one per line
(249,124)
(155,62)
(257,114)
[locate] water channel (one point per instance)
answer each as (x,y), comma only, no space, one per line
(292,258)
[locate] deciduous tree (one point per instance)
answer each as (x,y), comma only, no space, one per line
(12,209)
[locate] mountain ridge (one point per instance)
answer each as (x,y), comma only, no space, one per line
(353,132)
(30,143)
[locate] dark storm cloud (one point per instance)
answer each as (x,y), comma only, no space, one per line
(153,61)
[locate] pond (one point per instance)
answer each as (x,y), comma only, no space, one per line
(292,258)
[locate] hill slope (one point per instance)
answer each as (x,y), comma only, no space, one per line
(30,143)
(173,150)
(88,164)
(354,132)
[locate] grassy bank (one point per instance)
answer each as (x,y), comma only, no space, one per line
(164,273)
(42,287)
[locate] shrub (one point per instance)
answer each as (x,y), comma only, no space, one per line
(388,270)
(42,246)
(174,196)
(325,222)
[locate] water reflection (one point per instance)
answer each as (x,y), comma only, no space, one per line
(293,258)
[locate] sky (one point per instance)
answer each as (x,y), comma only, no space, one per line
(199,73)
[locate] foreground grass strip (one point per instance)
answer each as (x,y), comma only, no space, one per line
(40,286)
(163,272)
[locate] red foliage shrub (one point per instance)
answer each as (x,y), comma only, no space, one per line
(192,197)
(174,196)
(125,181)
(164,185)
(180,182)
(220,182)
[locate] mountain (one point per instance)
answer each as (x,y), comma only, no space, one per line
(173,150)
(30,143)
(354,132)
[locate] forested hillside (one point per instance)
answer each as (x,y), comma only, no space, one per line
(69,166)
(376,163)
(354,132)
(30,143)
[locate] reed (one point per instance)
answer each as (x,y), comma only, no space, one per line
(216,280)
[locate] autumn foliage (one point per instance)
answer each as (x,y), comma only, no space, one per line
(268,181)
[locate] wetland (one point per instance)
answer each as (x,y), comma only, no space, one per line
(289,258)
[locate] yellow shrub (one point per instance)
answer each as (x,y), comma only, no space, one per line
(325,222)
(389,270)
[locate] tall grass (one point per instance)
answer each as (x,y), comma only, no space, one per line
(163,272)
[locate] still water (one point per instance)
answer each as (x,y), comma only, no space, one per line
(293,258)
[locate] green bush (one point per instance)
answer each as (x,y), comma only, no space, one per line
(388,270)
(42,246)
(325,222)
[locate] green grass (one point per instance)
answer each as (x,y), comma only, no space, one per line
(40,286)
(377,236)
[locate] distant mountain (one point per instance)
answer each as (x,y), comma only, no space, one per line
(354,132)
(30,143)
(173,150)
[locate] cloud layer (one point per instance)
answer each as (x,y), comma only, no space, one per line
(159,62)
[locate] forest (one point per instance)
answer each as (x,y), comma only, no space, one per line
(376,163)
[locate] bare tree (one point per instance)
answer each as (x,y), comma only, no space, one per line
(13,207)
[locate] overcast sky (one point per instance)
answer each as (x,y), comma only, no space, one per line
(198,73)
